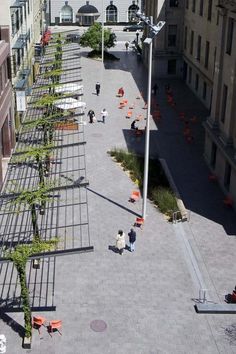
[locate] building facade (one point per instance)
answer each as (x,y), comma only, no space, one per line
(85,13)
(198,45)
(7,138)
(25,19)
(168,44)
(220,143)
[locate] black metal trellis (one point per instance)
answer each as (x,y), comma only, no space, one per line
(69,168)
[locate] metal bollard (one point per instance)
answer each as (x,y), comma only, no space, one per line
(202,296)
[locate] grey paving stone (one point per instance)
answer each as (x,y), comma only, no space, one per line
(145,297)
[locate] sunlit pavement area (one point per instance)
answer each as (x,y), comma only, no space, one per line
(145,298)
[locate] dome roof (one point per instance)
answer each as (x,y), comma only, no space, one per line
(87,9)
(66,6)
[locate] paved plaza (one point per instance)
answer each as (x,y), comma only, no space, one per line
(146,298)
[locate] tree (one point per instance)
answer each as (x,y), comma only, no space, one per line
(93,38)
(33,198)
(19,256)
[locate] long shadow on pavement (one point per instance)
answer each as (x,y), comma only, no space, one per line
(185,161)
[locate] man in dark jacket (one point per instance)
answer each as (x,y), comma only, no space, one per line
(91,115)
(132,239)
(97,87)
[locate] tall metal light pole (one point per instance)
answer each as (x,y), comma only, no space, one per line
(102,32)
(153,31)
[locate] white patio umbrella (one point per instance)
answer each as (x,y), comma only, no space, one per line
(70,103)
(69,88)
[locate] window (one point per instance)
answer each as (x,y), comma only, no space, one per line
(193,5)
(1,86)
(191,42)
(199,41)
(227,175)
(185,37)
(66,13)
(111,13)
(18,57)
(217,18)
(25,12)
(207,50)
(13,25)
(230,31)
(224,103)
(187,4)
(196,82)
(204,91)
(201,8)
(171,67)
(21,15)
(213,155)
(17,20)
(174,3)
(172,32)
(4,73)
(209,12)
(14,64)
(132,12)
(189,75)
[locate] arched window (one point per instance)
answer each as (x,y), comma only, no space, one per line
(111,13)
(132,12)
(66,13)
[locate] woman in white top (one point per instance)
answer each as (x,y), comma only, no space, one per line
(120,241)
(104,114)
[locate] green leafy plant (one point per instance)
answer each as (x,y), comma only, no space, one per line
(93,38)
(19,256)
(158,187)
(165,200)
(32,198)
(38,154)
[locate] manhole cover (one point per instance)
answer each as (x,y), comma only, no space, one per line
(98,325)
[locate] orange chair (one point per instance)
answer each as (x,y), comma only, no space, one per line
(37,322)
(121,105)
(139,96)
(54,325)
(135,195)
(139,132)
(181,115)
(139,117)
(157,114)
(129,114)
(139,222)
(193,119)
(212,178)
(132,106)
(189,139)
(125,102)
(228,201)
(145,105)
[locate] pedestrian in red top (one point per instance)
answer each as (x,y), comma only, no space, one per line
(121,92)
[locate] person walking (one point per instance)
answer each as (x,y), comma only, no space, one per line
(104,114)
(91,115)
(133,126)
(97,87)
(155,89)
(120,241)
(132,239)
(126,45)
(121,92)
